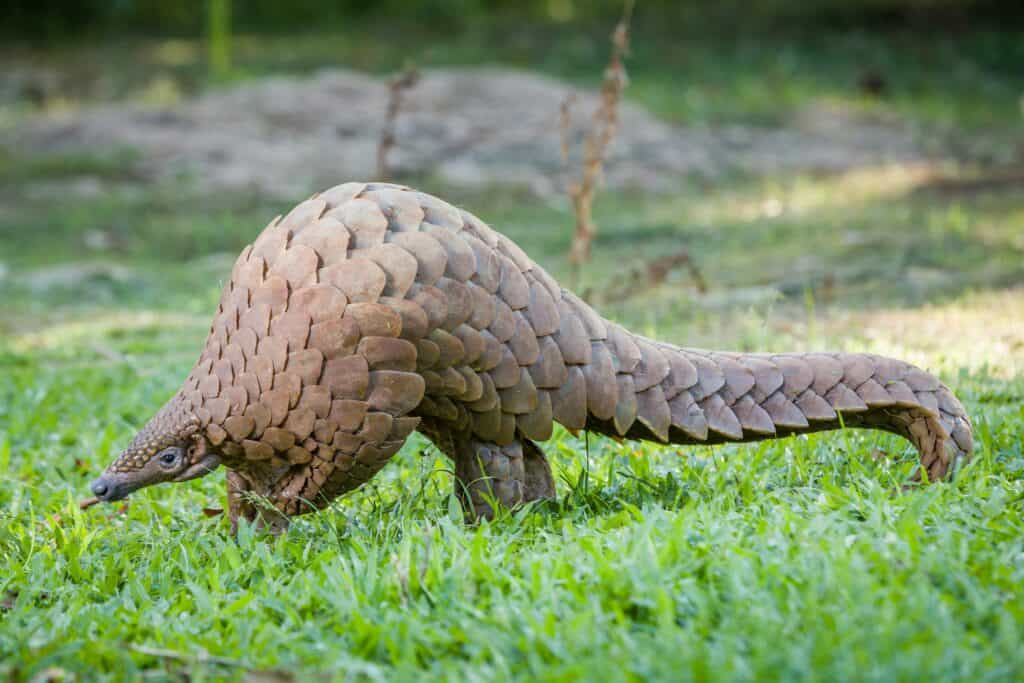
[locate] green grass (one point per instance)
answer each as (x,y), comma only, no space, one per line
(793,560)
(785,560)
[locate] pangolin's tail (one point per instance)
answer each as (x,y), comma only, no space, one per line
(643,389)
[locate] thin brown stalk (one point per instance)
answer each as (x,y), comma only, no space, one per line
(605,123)
(565,126)
(397,86)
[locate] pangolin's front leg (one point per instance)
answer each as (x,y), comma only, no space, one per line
(251,497)
(239,504)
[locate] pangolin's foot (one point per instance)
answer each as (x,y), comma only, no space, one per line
(538,483)
(245,504)
(489,476)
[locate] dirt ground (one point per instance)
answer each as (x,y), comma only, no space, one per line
(467,127)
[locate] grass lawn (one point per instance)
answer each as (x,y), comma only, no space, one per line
(796,559)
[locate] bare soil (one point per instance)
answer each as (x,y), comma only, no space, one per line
(473,127)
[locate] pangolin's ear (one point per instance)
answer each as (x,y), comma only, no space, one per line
(197,447)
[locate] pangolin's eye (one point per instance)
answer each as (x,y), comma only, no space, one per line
(168,458)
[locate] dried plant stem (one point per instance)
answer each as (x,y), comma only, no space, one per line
(595,146)
(565,126)
(397,86)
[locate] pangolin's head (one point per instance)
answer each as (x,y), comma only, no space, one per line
(171,447)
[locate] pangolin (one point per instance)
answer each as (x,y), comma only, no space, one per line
(372,310)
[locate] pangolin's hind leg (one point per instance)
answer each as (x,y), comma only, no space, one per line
(489,475)
(538,483)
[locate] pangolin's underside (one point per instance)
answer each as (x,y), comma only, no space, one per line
(373,310)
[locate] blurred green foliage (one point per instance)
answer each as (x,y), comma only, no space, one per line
(50,19)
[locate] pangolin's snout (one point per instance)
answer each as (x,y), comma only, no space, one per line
(107,490)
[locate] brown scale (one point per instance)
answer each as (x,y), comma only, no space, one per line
(372,310)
